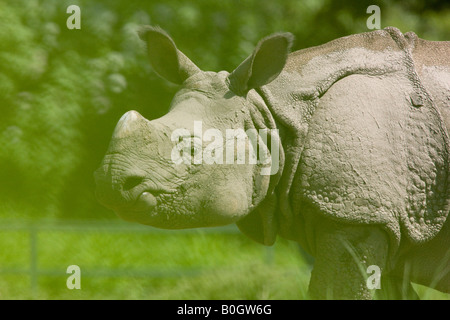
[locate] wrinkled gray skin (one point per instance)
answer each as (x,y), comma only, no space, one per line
(364,165)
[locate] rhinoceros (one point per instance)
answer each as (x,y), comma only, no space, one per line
(362,179)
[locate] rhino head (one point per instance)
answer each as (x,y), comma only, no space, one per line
(143,176)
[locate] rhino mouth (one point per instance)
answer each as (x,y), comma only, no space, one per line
(144,205)
(145,201)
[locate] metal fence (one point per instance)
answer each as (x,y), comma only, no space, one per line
(34,271)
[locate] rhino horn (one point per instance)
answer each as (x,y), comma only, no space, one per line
(128,123)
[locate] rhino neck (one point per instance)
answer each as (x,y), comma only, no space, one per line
(291,110)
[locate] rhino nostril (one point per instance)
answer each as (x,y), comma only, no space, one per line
(132,182)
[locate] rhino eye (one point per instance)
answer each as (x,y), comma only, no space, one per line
(196,146)
(192,146)
(194,151)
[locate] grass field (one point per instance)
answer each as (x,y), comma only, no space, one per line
(124,261)
(127,261)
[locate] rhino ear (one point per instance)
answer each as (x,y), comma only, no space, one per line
(167,61)
(261,224)
(263,66)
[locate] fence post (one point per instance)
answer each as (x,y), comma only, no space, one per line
(33,260)
(270,255)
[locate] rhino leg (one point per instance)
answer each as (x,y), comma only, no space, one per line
(343,254)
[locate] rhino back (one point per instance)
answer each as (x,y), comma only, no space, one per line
(432,61)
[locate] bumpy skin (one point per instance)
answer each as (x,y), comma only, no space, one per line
(374,150)
(364,163)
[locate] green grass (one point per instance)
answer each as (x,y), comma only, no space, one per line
(127,261)
(138,264)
